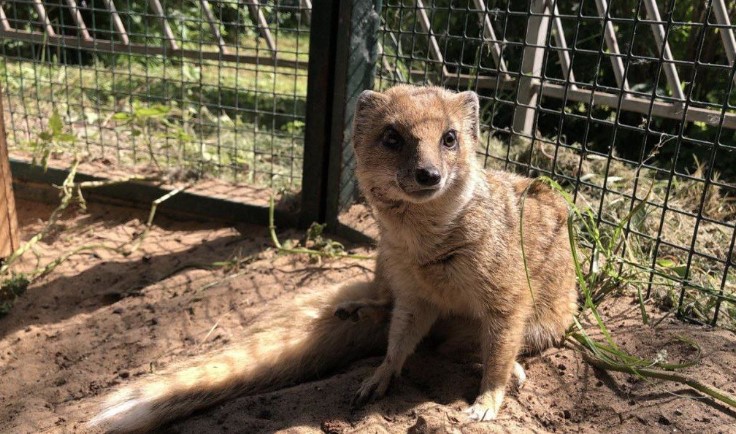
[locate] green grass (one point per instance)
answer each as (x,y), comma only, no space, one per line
(629,258)
(233,121)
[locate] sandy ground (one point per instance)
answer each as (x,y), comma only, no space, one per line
(102,319)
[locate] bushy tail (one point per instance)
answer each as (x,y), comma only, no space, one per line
(292,341)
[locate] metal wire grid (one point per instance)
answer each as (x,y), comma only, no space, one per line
(206,88)
(634,102)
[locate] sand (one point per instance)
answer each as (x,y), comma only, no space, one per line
(102,319)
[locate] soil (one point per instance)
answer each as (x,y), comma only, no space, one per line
(102,319)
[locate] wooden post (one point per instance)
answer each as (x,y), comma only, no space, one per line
(8,220)
(531,68)
(727,34)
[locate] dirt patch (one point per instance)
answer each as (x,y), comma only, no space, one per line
(101,320)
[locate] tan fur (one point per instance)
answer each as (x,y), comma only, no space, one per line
(455,249)
(295,340)
(450,253)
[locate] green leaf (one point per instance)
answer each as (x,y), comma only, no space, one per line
(66,137)
(55,123)
(672,266)
(152,112)
(121,116)
(666,262)
(679,270)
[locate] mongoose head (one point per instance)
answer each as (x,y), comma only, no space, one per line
(414,144)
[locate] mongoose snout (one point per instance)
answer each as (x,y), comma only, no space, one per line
(428,176)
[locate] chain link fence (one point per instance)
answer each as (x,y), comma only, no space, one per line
(629,105)
(188,89)
(621,102)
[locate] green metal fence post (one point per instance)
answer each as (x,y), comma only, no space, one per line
(342,60)
(361,52)
(320,99)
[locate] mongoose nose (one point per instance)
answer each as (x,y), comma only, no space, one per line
(428,176)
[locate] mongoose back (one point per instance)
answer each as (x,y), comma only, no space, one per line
(449,257)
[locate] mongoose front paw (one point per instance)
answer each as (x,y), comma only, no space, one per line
(486,406)
(481,413)
(372,388)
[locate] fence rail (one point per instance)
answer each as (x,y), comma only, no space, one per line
(545,21)
(171,48)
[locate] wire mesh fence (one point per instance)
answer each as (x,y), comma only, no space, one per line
(622,102)
(630,105)
(199,88)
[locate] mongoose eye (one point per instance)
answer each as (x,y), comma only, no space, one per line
(392,139)
(450,139)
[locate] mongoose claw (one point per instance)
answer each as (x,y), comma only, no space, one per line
(486,406)
(363,396)
(372,388)
(479,413)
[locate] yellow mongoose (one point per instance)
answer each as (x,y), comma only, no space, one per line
(450,236)
(450,250)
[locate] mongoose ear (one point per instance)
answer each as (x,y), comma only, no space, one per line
(471,107)
(367,100)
